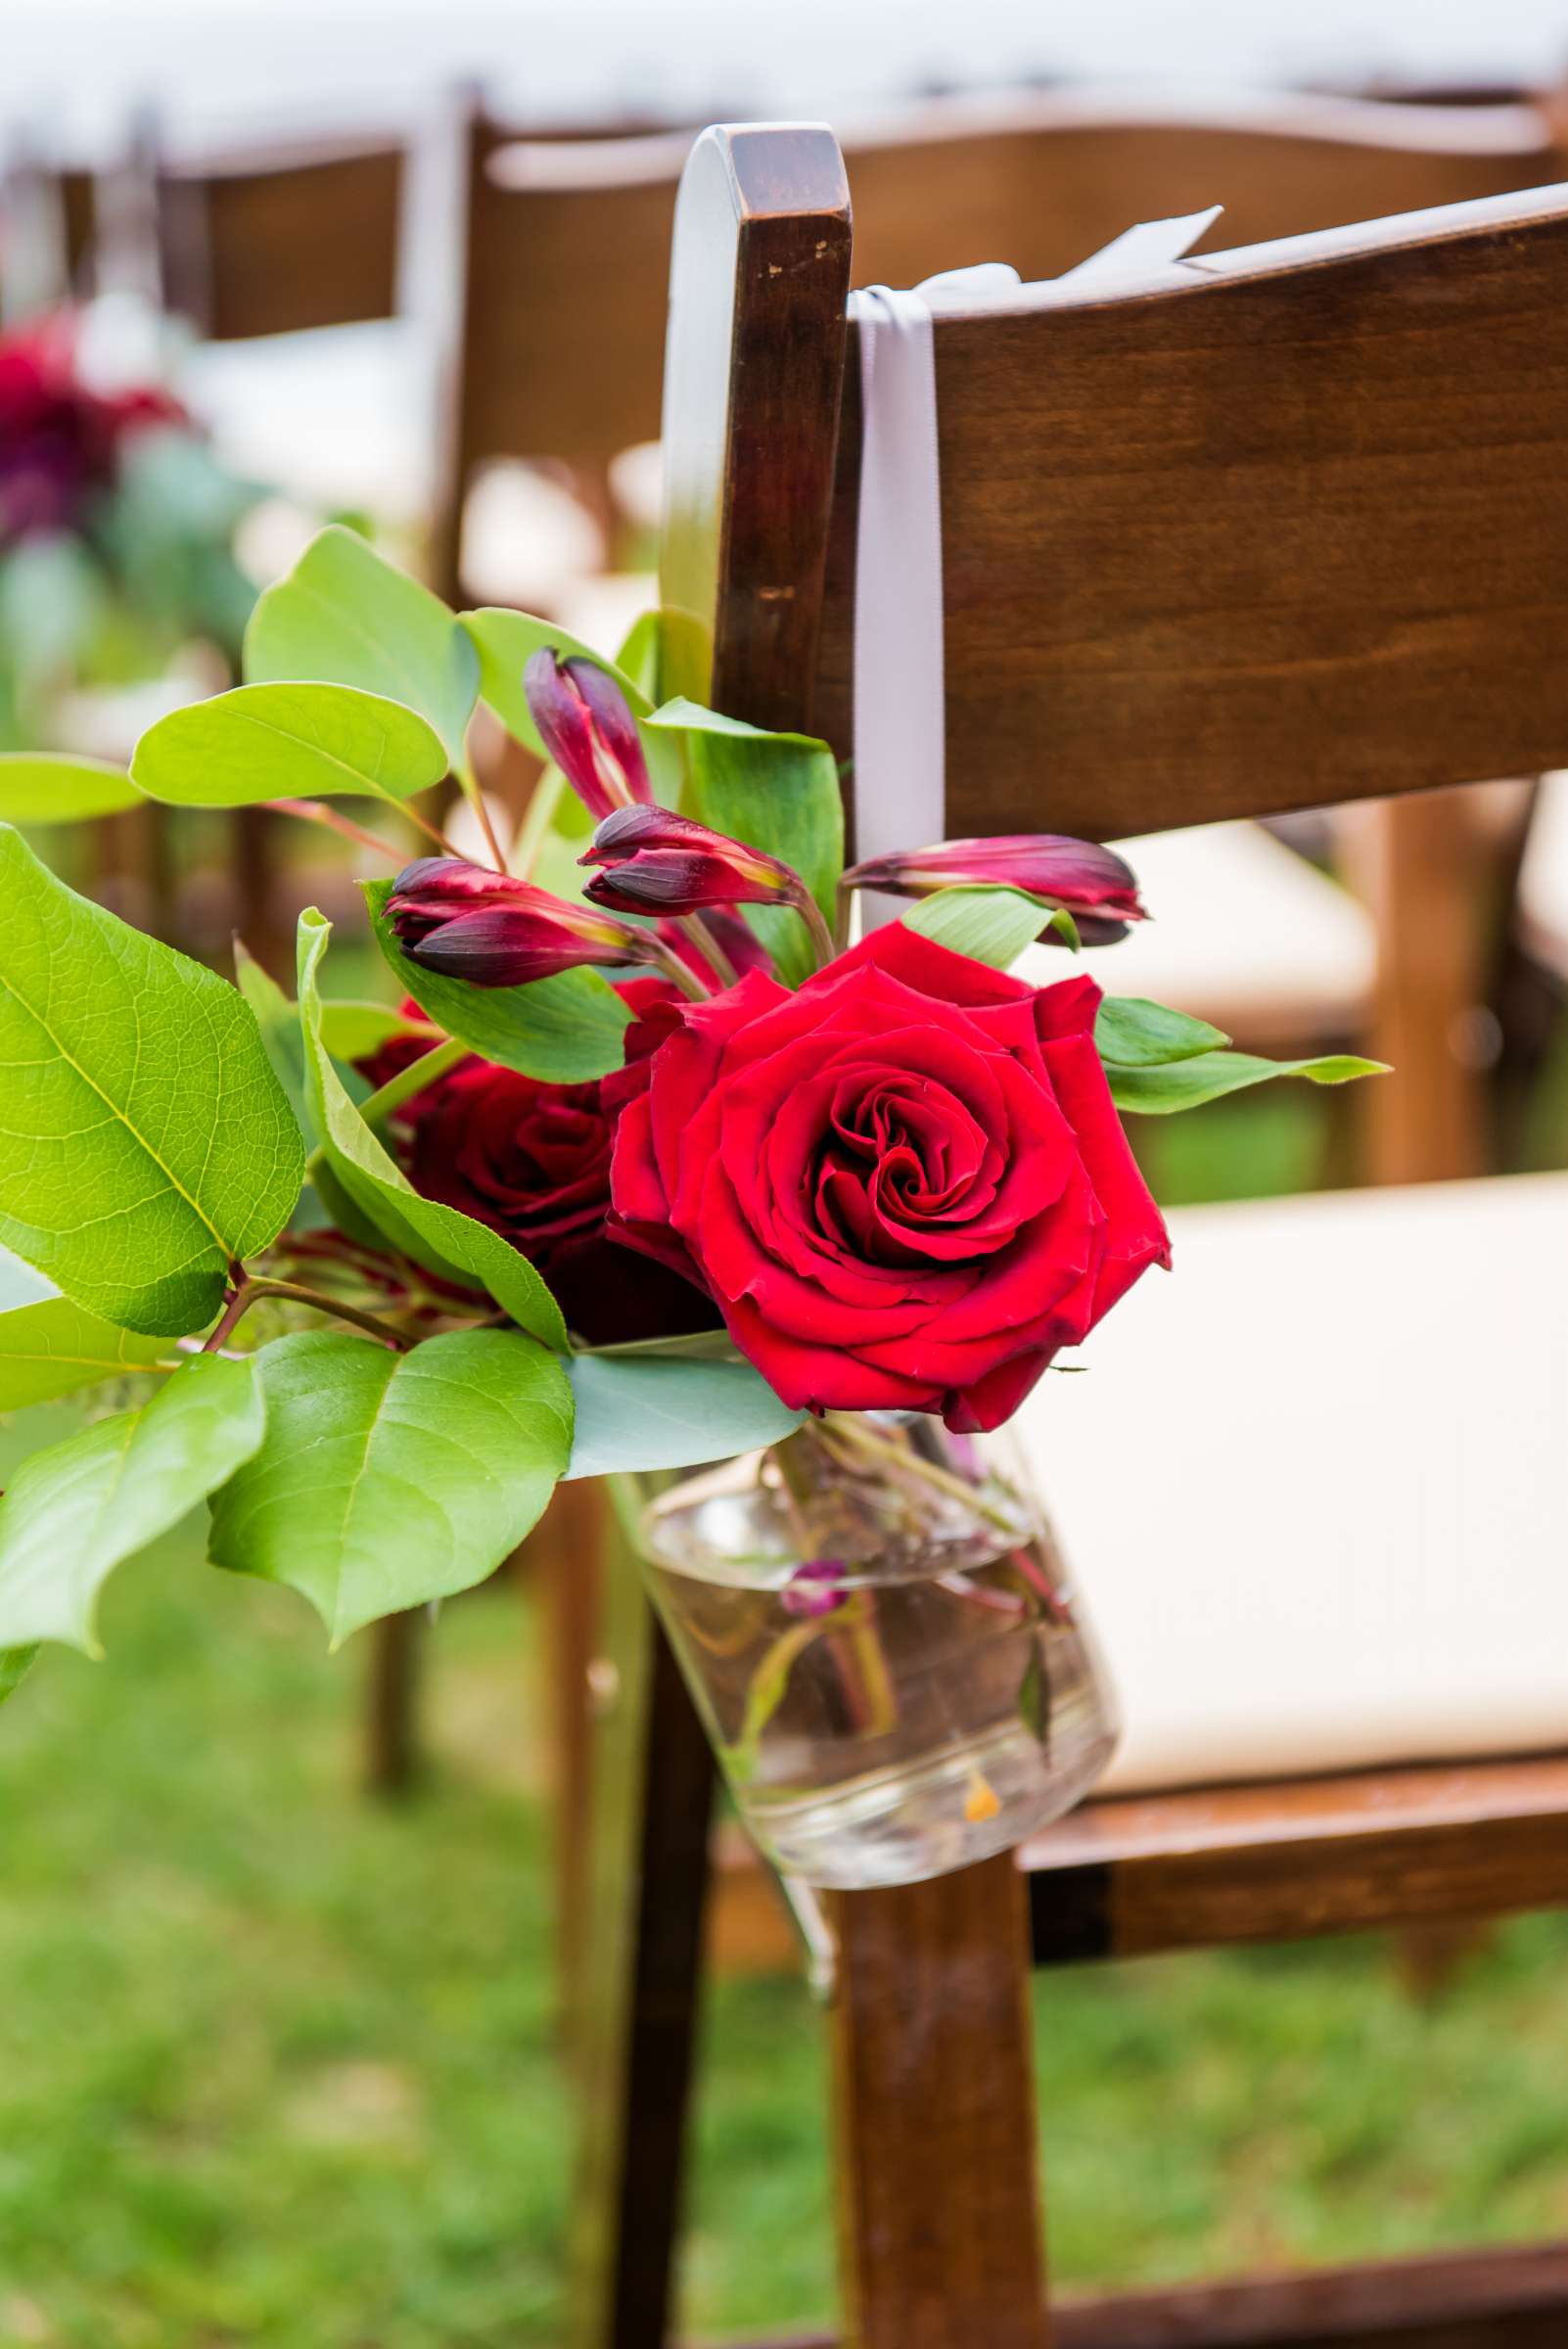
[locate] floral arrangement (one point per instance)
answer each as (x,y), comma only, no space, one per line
(651,1163)
(116,523)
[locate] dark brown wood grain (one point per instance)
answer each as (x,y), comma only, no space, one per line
(283,238)
(1275,1861)
(937,2186)
(1291,527)
(1509,2299)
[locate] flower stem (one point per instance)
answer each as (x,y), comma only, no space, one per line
(681,975)
(538,818)
(708,946)
(413,1080)
(316,811)
(811,913)
(847,1429)
(245,1292)
(468,783)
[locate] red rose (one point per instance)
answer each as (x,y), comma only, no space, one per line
(904,1187)
(532,1162)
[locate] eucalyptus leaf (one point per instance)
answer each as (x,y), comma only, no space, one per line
(39,787)
(563,1030)
(344,616)
(73,1513)
(635,1413)
(779,792)
(990,925)
(145,1142)
(55,1347)
(1207,1076)
(1139,1034)
(288,742)
(387,1479)
(441,1238)
(14,1666)
(506,642)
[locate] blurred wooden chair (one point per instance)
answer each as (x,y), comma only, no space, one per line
(1358,545)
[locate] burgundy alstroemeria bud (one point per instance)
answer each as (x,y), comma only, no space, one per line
(815,1588)
(664,863)
(466,923)
(1097,888)
(589,730)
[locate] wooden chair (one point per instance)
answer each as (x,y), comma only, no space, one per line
(1355,545)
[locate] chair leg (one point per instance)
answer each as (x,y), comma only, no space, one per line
(652,1785)
(391,1742)
(941,2244)
(567,1554)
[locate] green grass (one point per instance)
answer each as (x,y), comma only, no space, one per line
(278,2065)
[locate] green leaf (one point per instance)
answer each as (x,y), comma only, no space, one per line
(390,1479)
(641,655)
(990,925)
(354,1031)
(635,1413)
(1189,1083)
(286,742)
(73,1513)
(563,1030)
(54,1347)
(506,642)
(278,1021)
(145,1142)
(14,1665)
(344,616)
(441,1238)
(38,788)
(776,791)
(1139,1034)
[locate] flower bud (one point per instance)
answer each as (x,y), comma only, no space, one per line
(589,730)
(664,863)
(1094,885)
(466,923)
(815,1588)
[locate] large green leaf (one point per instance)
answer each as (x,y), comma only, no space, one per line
(564,1031)
(73,1513)
(1207,1076)
(54,1347)
(389,1479)
(356,1031)
(633,1413)
(14,1665)
(992,926)
(1139,1034)
(278,1023)
(344,616)
(145,1141)
(37,787)
(506,642)
(441,1238)
(777,792)
(286,742)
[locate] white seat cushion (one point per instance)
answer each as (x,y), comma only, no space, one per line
(1244,933)
(1312,1487)
(1544,877)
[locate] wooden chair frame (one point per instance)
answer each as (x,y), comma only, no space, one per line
(932,2068)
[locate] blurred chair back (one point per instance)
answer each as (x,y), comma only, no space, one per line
(1284,525)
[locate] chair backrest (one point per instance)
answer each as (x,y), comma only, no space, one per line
(1279,526)
(571,239)
(276,240)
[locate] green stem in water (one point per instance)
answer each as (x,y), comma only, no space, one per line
(767,1691)
(412,1080)
(855,1436)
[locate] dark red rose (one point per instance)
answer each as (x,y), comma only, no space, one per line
(904,1187)
(532,1162)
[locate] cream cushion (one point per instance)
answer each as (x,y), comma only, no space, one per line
(1312,1486)
(1244,933)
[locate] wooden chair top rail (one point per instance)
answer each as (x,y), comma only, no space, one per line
(1276,527)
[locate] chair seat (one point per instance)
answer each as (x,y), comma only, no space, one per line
(1245,932)
(1312,1487)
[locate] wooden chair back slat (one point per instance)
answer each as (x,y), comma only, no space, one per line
(1286,528)
(283,240)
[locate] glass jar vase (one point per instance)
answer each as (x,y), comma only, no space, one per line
(875,1625)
